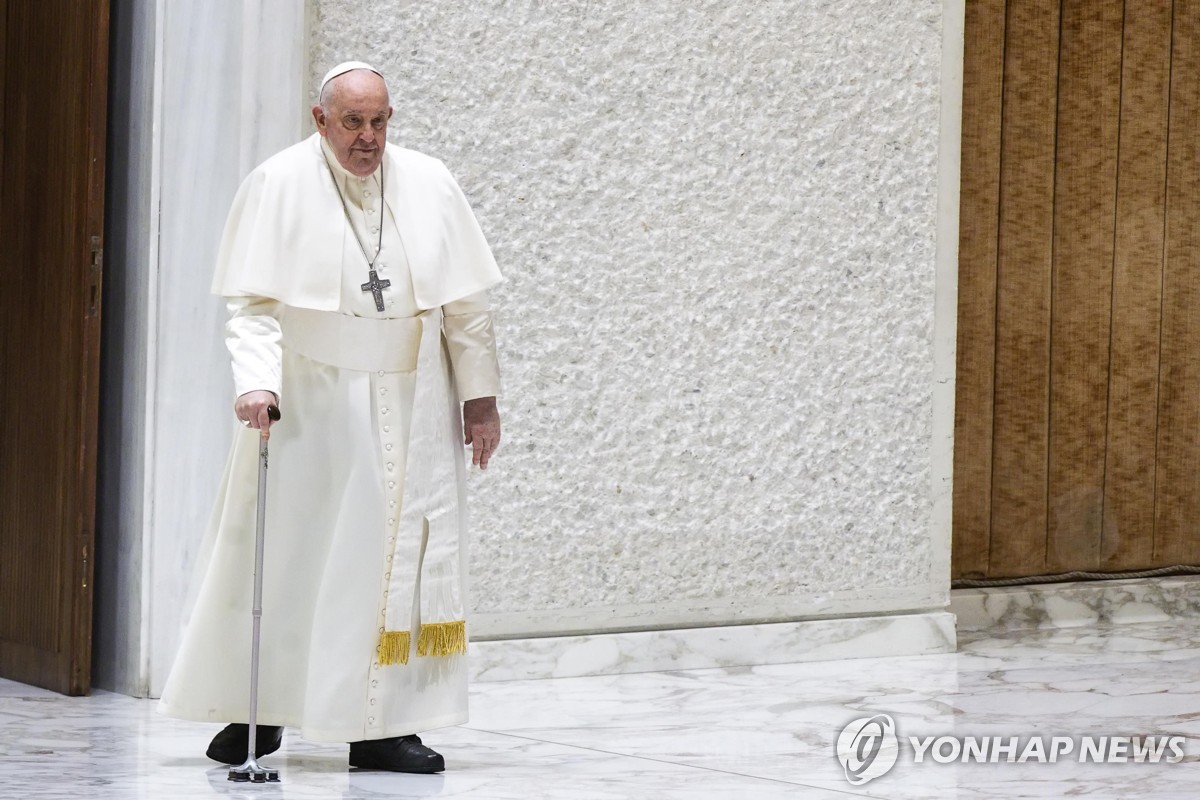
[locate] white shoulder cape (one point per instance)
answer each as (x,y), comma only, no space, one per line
(286,234)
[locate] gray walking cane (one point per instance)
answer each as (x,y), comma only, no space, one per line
(250,770)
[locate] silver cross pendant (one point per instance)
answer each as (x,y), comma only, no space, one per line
(376,287)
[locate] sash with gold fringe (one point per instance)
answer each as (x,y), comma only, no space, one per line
(424,556)
(427,557)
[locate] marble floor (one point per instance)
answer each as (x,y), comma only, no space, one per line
(762,732)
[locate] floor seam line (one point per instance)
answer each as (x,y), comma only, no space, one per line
(672,763)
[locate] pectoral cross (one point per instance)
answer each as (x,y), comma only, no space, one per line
(376,287)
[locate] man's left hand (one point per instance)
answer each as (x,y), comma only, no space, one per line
(481,424)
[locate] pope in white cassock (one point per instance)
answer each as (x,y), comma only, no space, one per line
(356,279)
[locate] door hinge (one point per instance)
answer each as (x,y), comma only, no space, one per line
(94,270)
(85,566)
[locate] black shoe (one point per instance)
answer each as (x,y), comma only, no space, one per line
(397,754)
(231,745)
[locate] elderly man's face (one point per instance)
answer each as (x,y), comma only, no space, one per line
(354,120)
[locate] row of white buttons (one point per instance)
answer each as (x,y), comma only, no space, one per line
(389,443)
(367,193)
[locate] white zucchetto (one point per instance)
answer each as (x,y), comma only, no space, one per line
(343,68)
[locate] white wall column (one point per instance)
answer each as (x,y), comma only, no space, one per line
(202,93)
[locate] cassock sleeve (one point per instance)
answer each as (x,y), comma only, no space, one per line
(471,340)
(252,335)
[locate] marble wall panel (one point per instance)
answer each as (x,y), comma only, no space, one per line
(217,89)
(231,97)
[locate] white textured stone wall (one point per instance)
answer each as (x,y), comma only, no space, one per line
(717,224)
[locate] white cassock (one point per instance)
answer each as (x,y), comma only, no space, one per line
(364,606)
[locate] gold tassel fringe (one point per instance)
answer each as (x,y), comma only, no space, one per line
(442,639)
(394,646)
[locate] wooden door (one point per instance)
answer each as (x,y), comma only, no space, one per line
(53,69)
(1078,394)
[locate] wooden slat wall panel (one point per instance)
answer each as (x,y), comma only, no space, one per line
(1089,96)
(982,108)
(41,339)
(1178,462)
(1127,540)
(1022,374)
(52,163)
(1095,406)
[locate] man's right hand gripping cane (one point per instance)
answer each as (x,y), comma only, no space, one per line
(253,409)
